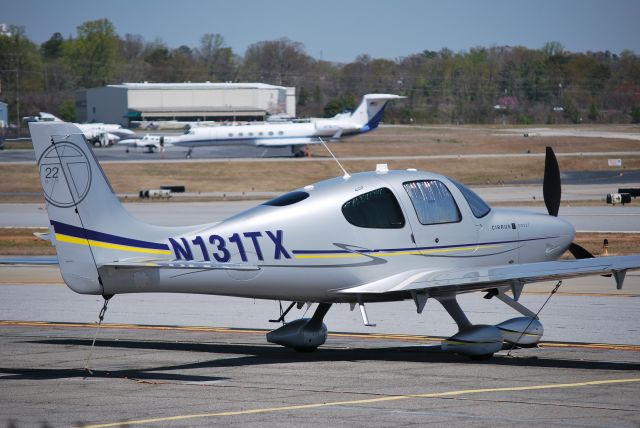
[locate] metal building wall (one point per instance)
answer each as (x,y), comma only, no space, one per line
(107,104)
(112,103)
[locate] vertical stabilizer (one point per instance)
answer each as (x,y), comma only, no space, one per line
(88,224)
(370,111)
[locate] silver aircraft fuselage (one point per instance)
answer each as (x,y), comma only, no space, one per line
(304,247)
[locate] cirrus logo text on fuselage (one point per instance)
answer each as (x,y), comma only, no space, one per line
(221,248)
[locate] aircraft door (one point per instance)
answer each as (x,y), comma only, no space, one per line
(439,229)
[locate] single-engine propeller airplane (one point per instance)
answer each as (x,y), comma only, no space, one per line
(368,237)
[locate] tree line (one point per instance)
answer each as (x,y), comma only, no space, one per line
(499,84)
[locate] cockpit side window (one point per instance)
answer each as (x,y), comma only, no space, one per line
(479,208)
(433,202)
(376,209)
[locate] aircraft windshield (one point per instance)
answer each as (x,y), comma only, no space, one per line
(479,208)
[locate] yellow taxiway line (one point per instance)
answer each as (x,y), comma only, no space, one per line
(366,336)
(387,398)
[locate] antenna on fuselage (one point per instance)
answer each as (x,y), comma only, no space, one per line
(346,175)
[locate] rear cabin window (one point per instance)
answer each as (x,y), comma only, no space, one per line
(287,199)
(433,202)
(377,209)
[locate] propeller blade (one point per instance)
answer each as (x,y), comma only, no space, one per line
(551,189)
(579,252)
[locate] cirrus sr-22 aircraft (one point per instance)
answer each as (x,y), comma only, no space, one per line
(296,135)
(376,236)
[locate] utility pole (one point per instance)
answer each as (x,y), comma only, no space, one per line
(18,121)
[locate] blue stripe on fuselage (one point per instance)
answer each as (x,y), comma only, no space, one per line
(79,232)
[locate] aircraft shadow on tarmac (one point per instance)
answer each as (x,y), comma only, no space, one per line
(142,375)
(255,355)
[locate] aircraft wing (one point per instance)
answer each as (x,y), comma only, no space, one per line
(29,260)
(464,280)
(285,142)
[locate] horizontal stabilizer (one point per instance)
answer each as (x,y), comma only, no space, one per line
(29,260)
(45,236)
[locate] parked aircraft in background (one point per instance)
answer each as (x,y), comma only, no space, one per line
(150,143)
(372,237)
(98,134)
(296,135)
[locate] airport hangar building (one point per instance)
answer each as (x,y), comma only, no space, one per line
(131,102)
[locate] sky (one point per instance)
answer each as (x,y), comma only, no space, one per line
(340,30)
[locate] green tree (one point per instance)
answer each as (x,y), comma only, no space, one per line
(279,62)
(133,67)
(52,49)
(67,110)
(217,58)
(94,55)
(20,74)
(552,49)
(339,105)
(594,114)
(635,114)
(571,112)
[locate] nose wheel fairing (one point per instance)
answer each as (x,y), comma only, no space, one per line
(482,341)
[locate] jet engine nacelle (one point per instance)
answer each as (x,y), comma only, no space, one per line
(521,331)
(300,334)
(475,341)
(327,126)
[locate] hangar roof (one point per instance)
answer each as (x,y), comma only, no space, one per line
(204,85)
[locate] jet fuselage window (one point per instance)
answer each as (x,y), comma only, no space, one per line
(287,199)
(376,209)
(479,208)
(433,202)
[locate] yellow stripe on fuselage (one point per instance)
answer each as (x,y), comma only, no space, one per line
(81,241)
(394,253)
